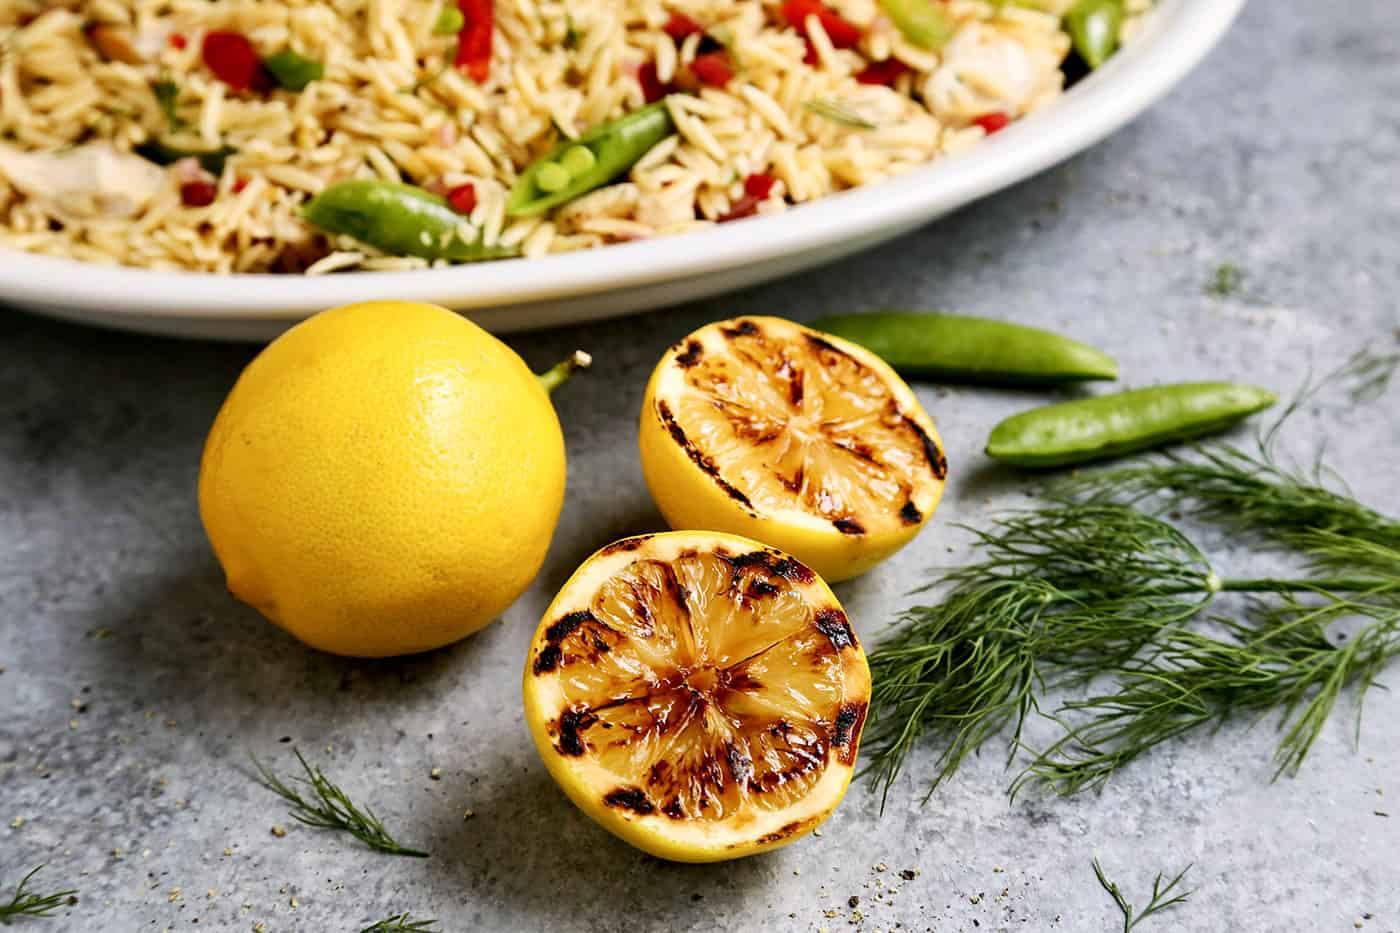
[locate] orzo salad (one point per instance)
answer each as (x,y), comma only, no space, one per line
(314,136)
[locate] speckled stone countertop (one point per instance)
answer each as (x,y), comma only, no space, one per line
(133,687)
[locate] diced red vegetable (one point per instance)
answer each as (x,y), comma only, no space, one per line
(993,122)
(713,69)
(235,62)
(178,40)
(759,185)
(746,206)
(239,184)
(463,198)
(811,57)
(885,72)
(474,41)
(652,88)
(680,26)
(843,33)
(198,193)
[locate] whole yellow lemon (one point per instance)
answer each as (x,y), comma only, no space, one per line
(383,479)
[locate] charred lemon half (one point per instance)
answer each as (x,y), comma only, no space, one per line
(698,694)
(768,429)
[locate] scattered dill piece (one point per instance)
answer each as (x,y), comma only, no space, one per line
(838,113)
(167,94)
(572,35)
(1162,897)
(330,808)
(1096,587)
(401,923)
(1371,373)
(26,903)
(1227,281)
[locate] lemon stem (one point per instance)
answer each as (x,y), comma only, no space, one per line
(559,374)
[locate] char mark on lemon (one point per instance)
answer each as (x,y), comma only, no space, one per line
(836,627)
(845,733)
(582,623)
(787,829)
(626,544)
(572,724)
(784,567)
(697,456)
(741,328)
(849,526)
(909,513)
(937,462)
(630,798)
(689,356)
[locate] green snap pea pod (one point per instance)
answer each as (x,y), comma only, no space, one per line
(1109,425)
(954,348)
(578,166)
(923,22)
(1094,26)
(399,219)
(292,70)
(211,160)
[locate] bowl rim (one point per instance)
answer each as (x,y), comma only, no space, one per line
(1175,38)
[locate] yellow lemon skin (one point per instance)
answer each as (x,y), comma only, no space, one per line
(688,497)
(383,479)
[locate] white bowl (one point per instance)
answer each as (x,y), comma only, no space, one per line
(521,294)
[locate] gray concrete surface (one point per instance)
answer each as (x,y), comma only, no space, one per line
(133,687)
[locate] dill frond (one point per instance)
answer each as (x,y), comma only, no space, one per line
(331,808)
(1162,897)
(401,923)
(1098,588)
(26,903)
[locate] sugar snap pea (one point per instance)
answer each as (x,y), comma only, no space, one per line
(211,160)
(1094,26)
(399,219)
(577,166)
(1108,425)
(923,22)
(954,348)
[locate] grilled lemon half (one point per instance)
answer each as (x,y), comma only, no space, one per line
(771,430)
(699,695)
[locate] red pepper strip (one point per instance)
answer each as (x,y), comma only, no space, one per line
(463,198)
(680,26)
(713,69)
(885,72)
(759,185)
(843,33)
(652,88)
(474,40)
(746,206)
(993,122)
(235,62)
(198,193)
(757,188)
(178,41)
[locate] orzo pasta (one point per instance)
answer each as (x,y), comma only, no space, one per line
(191,134)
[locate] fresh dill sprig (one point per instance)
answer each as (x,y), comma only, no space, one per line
(837,112)
(1371,374)
(401,923)
(1162,897)
(1227,281)
(26,903)
(167,94)
(331,808)
(1097,587)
